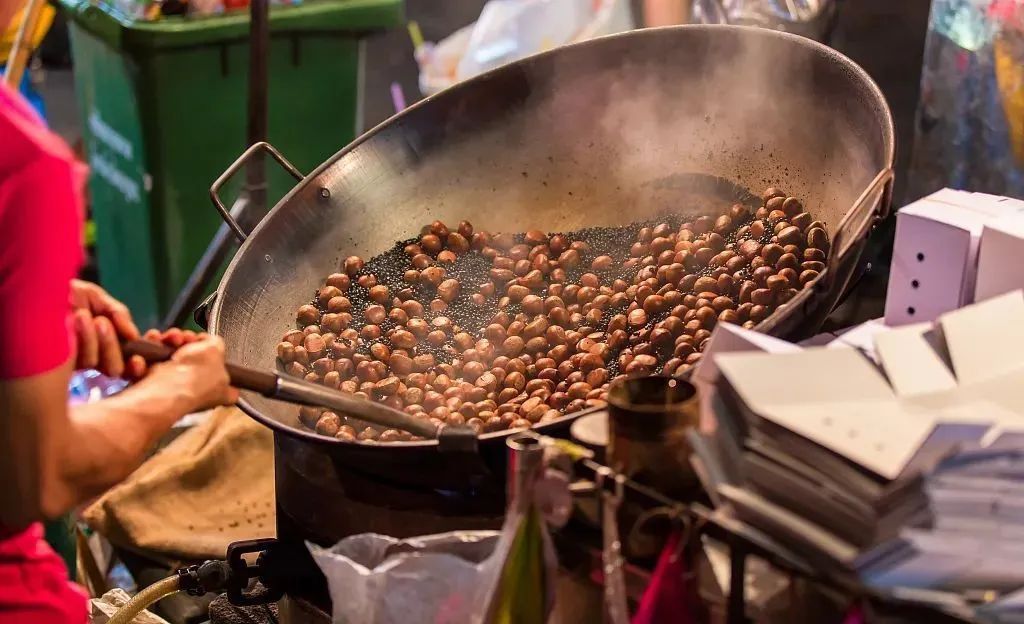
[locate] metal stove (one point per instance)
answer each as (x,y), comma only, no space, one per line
(322,501)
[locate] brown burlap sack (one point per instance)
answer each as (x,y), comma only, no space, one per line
(211,486)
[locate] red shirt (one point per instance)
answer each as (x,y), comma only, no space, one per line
(41,207)
(40,252)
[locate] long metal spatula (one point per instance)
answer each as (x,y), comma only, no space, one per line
(284,388)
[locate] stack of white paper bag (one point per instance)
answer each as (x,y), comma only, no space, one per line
(908,470)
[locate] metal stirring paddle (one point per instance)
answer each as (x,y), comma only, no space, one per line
(285,388)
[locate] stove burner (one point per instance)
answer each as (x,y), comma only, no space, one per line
(322,500)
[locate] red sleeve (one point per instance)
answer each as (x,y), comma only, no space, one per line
(40,253)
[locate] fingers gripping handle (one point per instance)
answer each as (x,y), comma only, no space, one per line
(246,378)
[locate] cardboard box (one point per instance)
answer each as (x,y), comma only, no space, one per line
(912,360)
(935,264)
(996,204)
(728,338)
(986,340)
(908,471)
(860,337)
(934,260)
(845,405)
(1001,257)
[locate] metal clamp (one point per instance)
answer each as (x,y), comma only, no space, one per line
(242,572)
(201,315)
(233,169)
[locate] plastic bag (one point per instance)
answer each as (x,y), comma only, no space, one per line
(668,597)
(511,29)
(508,30)
(87,386)
(375,578)
(464,577)
(435,579)
(969,130)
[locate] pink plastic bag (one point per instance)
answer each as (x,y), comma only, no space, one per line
(668,597)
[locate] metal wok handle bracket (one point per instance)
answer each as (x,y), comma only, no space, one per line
(233,169)
(862,216)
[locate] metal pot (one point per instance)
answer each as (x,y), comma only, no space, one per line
(604,132)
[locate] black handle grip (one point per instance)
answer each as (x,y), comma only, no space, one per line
(149,351)
(251,379)
(241,377)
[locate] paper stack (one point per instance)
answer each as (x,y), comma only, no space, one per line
(908,471)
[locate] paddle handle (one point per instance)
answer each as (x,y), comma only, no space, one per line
(241,377)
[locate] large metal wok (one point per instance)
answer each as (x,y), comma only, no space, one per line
(609,131)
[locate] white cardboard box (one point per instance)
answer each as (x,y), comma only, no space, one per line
(728,338)
(1001,257)
(844,404)
(933,261)
(936,264)
(995,203)
(860,337)
(910,358)
(950,390)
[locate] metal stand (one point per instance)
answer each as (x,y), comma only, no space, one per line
(737,601)
(259,49)
(191,294)
(253,198)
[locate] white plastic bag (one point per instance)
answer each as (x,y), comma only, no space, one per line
(509,30)
(464,577)
(375,578)
(448,578)
(461,577)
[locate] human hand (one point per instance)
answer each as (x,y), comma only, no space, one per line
(101,324)
(174,337)
(196,371)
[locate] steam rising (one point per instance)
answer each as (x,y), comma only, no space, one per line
(746,109)
(605,132)
(596,134)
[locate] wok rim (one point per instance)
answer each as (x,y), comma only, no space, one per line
(857,72)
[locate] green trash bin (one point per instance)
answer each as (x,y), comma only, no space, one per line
(164,113)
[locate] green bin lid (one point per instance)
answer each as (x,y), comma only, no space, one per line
(126,33)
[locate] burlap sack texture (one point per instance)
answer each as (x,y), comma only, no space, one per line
(211,486)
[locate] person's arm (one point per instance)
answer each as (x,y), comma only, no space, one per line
(53,458)
(666,12)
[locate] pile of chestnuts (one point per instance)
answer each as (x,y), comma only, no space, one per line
(508,330)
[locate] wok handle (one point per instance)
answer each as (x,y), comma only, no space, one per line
(233,169)
(241,377)
(862,216)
